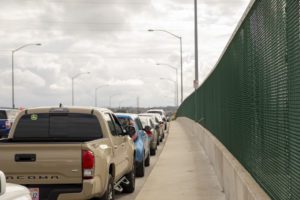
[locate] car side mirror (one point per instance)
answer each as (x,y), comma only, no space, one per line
(147,128)
(2,183)
(130,130)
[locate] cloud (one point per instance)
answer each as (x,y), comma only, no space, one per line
(110,40)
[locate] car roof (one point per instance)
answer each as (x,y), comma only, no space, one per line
(160,110)
(131,115)
(71,109)
(149,114)
(5,109)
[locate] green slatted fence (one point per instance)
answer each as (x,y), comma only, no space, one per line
(251,101)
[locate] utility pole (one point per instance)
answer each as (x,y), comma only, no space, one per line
(196,81)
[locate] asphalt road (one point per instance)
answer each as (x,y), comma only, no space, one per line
(139,182)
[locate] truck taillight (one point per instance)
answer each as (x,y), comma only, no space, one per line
(7,124)
(88,164)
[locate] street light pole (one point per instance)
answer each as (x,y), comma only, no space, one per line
(13,68)
(181,59)
(175,86)
(73,77)
(170,66)
(181,64)
(96,93)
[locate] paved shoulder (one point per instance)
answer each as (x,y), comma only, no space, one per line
(182,172)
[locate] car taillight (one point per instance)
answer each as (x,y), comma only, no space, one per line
(7,124)
(88,164)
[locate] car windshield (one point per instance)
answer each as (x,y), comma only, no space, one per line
(58,126)
(125,121)
(145,121)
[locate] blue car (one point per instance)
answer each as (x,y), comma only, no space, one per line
(7,117)
(141,141)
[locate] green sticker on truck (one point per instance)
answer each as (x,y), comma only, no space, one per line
(34,117)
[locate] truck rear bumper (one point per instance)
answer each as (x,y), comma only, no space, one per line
(52,191)
(90,188)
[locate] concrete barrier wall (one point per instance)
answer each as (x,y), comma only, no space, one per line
(236,182)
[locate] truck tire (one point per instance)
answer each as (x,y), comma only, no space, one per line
(147,161)
(152,152)
(131,178)
(110,192)
(140,170)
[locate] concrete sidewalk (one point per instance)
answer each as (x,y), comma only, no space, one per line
(182,172)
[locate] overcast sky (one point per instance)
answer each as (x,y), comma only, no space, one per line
(108,38)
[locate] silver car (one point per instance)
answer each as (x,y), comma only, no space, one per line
(159,125)
(149,126)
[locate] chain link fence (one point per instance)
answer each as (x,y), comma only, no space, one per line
(251,101)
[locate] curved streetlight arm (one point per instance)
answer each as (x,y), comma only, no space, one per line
(73,77)
(164,64)
(12,69)
(26,45)
(101,86)
(181,61)
(168,80)
(168,32)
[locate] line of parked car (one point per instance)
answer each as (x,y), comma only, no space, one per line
(76,152)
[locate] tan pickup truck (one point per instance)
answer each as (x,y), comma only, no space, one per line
(69,153)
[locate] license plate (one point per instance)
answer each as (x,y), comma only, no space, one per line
(35,193)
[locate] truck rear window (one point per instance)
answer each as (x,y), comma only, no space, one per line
(58,126)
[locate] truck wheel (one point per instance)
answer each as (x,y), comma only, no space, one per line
(110,192)
(140,170)
(131,178)
(147,161)
(152,152)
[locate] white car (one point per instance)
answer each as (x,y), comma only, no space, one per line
(162,113)
(9,191)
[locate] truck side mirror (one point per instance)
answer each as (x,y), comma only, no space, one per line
(130,130)
(2,183)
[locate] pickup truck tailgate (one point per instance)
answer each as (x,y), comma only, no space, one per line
(42,163)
